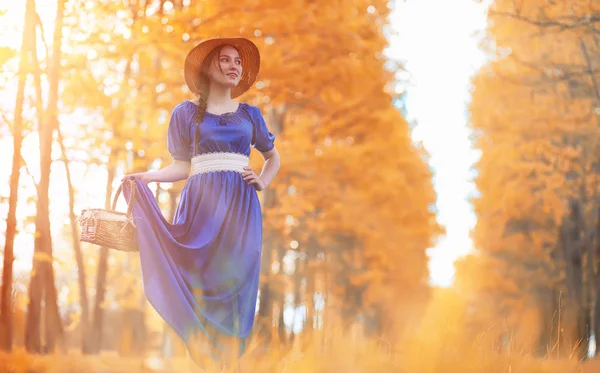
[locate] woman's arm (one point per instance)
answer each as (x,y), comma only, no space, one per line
(176,171)
(271,166)
(269,170)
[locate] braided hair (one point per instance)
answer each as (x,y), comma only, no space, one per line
(204,84)
(204,90)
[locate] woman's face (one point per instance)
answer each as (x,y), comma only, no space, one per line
(227,68)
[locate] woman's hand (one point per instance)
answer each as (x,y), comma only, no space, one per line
(144,177)
(251,178)
(176,171)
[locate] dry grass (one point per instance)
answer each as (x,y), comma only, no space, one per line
(438,345)
(345,355)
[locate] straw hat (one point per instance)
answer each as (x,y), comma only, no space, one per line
(250,62)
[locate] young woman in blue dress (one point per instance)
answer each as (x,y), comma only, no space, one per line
(201,271)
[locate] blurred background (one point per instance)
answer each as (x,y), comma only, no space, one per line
(437,207)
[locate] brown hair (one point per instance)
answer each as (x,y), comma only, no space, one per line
(204,90)
(204,83)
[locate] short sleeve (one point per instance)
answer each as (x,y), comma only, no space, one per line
(262,139)
(178,138)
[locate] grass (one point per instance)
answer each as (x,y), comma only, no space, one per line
(440,344)
(345,354)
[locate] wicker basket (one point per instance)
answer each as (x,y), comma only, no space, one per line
(109,228)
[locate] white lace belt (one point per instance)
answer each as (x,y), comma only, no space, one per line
(214,162)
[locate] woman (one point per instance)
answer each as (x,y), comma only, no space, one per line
(201,272)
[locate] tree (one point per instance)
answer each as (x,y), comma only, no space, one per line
(533,112)
(42,284)
(27,48)
(82,283)
(352,211)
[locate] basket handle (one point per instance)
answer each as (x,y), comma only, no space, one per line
(131,199)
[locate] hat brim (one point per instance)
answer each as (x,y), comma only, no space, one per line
(249,54)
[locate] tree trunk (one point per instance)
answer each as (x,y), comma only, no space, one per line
(300,294)
(311,279)
(549,312)
(265,309)
(33,329)
(132,330)
(6,301)
(81,275)
(596,304)
(575,312)
(281,332)
(95,337)
(96,329)
(268,294)
(42,282)
(594,278)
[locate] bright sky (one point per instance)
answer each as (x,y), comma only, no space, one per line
(436,39)
(437,44)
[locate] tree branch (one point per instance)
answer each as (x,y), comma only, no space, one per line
(577,22)
(590,70)
(9,124)
(39,23)
(564,75)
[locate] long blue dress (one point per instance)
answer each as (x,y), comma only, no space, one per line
(201,272)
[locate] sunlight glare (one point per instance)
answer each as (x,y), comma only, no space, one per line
(441,54)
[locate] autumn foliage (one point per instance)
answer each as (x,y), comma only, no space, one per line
(533,280)
(347,221)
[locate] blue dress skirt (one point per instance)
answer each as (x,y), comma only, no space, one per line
(201,271)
